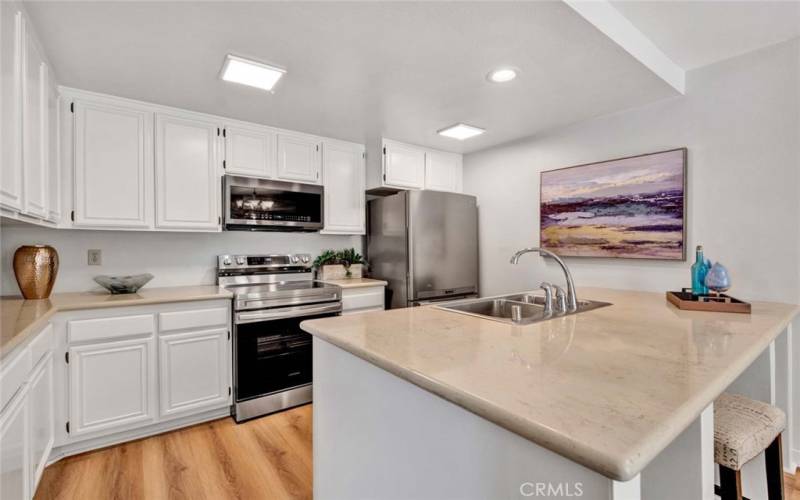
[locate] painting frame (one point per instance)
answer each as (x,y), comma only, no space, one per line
(684,221)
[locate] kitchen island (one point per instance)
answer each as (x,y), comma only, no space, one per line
(612,403)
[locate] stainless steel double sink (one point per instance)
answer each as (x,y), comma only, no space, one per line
(518,308)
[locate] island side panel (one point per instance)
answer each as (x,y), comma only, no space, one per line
(378,436)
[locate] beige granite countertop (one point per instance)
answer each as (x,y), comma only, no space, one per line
(355,282)
(608,389)
(20,318)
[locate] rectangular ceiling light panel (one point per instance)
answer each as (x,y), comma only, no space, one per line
(252,73)
(461,131)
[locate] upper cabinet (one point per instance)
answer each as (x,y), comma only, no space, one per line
(250,150)
(187,177)
(403,165)
(113,155)
(443,171)
(299,158)
(344,173)
(35,81)
(11,195)
(54,154)
(27,121)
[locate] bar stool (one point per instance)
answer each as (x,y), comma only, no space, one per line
(743,428)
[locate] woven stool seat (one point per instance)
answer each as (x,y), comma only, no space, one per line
(743,428)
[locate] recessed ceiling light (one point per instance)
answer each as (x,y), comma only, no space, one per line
(502,75)
(461,131)
(253,73)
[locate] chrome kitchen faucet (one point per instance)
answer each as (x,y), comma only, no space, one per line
(570,304)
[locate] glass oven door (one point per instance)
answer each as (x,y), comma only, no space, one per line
(272,356)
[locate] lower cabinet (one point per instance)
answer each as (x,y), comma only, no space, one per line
(40,410)
(362,299)
(112,385)
(194,371)
(14,473)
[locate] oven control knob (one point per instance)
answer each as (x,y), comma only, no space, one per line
(227,261)
(295,260)
(240,261)
(306,258)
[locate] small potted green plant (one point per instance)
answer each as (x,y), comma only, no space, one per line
(341,264)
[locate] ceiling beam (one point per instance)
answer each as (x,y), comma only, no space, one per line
(618,28)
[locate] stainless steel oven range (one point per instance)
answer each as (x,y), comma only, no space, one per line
(272,294)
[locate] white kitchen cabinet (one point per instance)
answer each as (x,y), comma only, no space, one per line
(14,463)
(443,171)
(299,158)
(187,175)
(11,188)
(344,173)
(194,373)
(403,165)
(113,164)
(35,81)
(250,150)
(53,154)
(40,411)
(112,385)
(363,299)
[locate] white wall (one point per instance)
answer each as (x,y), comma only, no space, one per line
(173,258)
(739,120)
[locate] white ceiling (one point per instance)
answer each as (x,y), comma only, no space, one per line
(355,70)
(697,33)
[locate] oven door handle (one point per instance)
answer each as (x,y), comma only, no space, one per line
(287,312)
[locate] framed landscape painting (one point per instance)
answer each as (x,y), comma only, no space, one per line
(625,208)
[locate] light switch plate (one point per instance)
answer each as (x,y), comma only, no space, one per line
(95,257)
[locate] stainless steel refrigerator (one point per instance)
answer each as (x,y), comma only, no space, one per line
(425,245)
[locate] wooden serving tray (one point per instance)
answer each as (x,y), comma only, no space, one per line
(712,303)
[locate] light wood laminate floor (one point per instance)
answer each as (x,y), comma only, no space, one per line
(266,458)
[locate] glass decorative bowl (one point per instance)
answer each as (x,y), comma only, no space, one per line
(718,279)
(123,284)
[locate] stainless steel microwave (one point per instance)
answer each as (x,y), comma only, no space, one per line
(252,204)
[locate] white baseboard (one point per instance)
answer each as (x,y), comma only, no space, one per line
(131,435)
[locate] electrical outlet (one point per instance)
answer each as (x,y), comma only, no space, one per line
(95,257)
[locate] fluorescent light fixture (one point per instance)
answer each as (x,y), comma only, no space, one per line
(252,73)
(461,131)
(502,75)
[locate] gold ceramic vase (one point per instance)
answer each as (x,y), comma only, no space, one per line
(35,267)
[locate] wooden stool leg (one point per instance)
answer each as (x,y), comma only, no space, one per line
(773,457)
(730,484)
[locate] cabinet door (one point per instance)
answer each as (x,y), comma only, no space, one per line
(34,125)
(403,165)
(14,472)
(344,173)
(113,165)
(187,177)
(299,158)
(112,386)
(11,194)
(194,372)
(442,171)
(53,153)
(250,151)
(40,411)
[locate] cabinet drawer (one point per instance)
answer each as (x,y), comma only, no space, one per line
(42,344)
(13,375)
(197,318)
(362,298)
(86,330)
